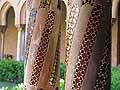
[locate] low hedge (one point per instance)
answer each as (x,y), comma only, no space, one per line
(11,86)
(62,68)
(115,84)
(11,71)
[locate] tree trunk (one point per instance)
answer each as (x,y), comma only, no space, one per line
(43,43)
(88,45)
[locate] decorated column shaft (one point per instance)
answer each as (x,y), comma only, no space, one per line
(42,45)
(88,45)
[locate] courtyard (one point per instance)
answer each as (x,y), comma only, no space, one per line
(13,39)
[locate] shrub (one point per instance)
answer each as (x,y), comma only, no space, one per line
(13,87)
(18,87)
(11,71)
(62,84)
(62,67)
(115,79)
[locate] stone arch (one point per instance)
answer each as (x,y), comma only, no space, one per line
(23,13)
(10,47)
(10,10)
(3,12)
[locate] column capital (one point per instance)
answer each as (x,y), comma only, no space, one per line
(20,27)
(21,31)
(3,28)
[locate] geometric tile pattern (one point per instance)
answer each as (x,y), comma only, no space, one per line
(72,21)
(88,1)
(87,46)
(42,49)
(103,69)
(44,3)
(54,70)
(29,4)
(31,23)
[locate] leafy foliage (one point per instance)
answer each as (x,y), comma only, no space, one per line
(11,86)
(61,84)
(62,67)
(115,84)
(11,71)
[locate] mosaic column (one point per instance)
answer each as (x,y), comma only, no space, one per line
(2,32)
(42,48)
(88,45)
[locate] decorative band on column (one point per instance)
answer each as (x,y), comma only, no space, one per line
(54,70)
(29,4)
(42,49)
(44,3)
(70,29)
(31,23)
(88,1)
(87,46)
(104,67)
